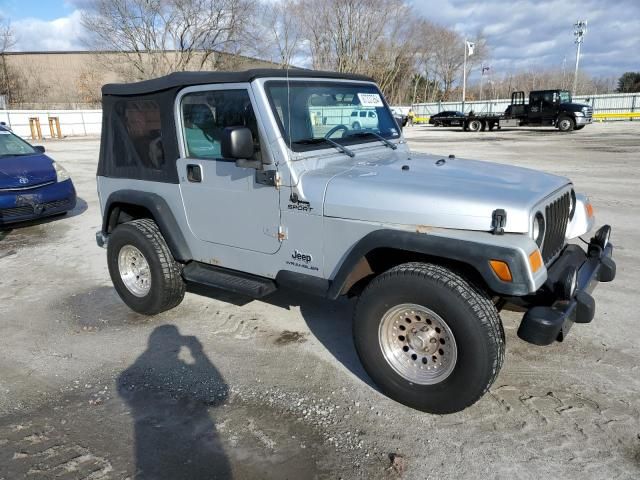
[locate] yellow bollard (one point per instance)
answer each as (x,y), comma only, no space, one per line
(34,125)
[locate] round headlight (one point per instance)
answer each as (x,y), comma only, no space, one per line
(538,229)
(572,204)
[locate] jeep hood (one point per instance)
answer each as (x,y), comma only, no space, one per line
(424,190)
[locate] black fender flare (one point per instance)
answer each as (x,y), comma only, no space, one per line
(473,254)
(161,213)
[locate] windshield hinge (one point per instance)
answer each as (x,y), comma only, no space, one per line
(268,177)
(498,221)
(282,233)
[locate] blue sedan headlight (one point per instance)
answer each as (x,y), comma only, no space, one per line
(61,172)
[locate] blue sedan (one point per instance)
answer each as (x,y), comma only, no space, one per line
(32,185)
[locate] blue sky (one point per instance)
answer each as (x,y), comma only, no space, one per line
(522,34)
(41,9)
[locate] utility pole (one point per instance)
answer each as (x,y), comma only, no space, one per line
(483,68)
(470,46)
(464,75)
(580,28)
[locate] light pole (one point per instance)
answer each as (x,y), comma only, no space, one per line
(470,46)
(580,28)
(483,69)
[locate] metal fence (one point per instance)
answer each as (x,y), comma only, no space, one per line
(615,104)
(89,122)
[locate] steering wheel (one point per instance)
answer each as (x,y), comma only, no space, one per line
(335,129)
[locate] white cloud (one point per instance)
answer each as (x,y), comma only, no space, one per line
(65,33)
(539,34)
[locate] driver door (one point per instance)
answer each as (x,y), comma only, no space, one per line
(223,202)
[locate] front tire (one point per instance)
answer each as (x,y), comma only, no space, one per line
(566,124)
(142,269)
(428,338)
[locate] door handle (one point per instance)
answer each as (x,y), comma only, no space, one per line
(194,173)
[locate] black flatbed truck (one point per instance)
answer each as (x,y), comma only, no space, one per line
(546,108)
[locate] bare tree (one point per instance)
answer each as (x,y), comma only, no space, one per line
(279,37)
(7,42)
(147,38)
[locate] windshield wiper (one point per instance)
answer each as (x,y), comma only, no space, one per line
(316,141)
(387,143)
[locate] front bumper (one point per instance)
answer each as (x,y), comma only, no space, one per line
(550,317)
(37,202)
(583,120)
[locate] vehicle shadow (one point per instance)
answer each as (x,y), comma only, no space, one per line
(169,390)
(330,321)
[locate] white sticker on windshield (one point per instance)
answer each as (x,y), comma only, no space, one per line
(370,100)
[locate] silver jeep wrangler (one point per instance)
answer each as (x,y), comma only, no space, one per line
(260,180)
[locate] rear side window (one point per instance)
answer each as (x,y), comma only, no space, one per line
(142,133)
(206,114)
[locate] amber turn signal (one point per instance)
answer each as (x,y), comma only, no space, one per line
(589,208)
(535,260)
(501,269)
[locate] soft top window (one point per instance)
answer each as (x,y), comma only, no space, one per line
(141,119)
(138,138)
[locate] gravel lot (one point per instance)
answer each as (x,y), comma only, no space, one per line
(88,389)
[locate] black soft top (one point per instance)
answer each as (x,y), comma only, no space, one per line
(184,79)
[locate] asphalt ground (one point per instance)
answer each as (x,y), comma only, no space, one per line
(229,387)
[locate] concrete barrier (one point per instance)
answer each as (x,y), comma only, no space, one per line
(72,122)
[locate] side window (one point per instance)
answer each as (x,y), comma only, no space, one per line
(548,100)
(372,114)
(354,114)
(206,114)
(141,121)
(363,114)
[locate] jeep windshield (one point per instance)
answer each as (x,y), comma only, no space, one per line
(315,115)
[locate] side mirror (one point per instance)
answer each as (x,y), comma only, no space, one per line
(39,148)
(237,144)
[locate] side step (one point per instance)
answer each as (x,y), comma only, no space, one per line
(229,280)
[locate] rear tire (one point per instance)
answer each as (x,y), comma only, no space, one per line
(455,321)
(355,126)
(566,124)
(142,269)
(475,125)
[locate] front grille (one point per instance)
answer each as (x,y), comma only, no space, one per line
(16,211)
(589,113)
(56,204)
(556,220)
(23,210)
